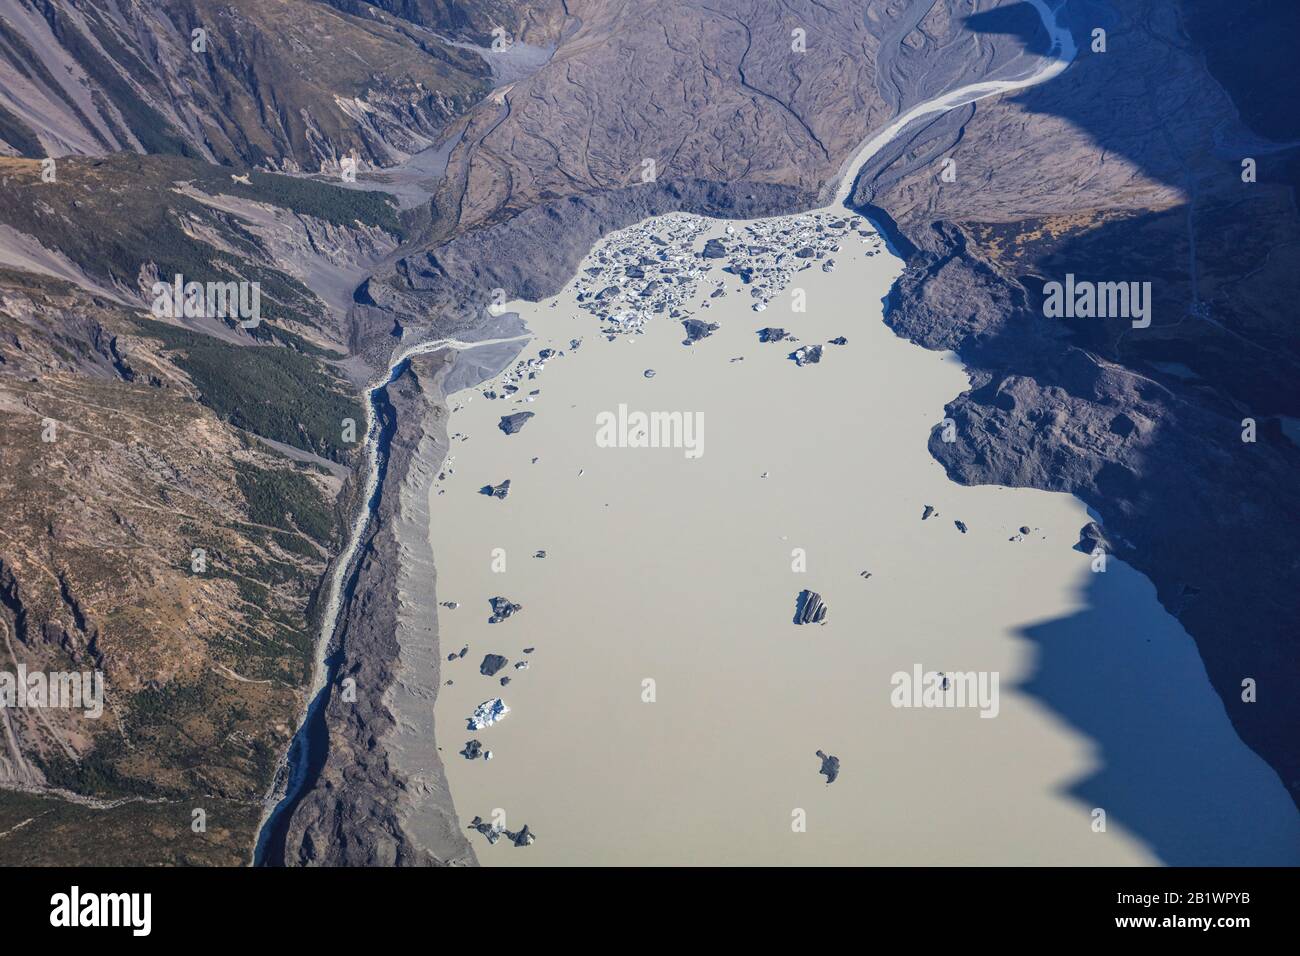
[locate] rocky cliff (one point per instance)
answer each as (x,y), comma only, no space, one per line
(1151,427)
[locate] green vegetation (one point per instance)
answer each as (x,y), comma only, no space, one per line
(285,500)
(311,197)
(272,392)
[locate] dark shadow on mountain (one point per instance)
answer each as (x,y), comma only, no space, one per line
(1144,425)
(1018,20)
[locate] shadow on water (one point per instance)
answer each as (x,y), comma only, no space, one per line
(310,746)
(1212,521)
(1171,769)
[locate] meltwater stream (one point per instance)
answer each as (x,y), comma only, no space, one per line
(309,748)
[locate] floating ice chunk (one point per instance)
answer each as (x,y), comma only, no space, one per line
(488,713)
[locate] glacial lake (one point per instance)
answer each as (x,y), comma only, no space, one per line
(671,710)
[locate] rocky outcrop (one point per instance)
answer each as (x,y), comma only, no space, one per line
(1145,425)
(285,86)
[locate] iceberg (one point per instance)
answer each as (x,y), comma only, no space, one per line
(488,713)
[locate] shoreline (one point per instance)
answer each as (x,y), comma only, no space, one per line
(595,731)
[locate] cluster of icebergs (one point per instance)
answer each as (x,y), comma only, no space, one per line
(658,268)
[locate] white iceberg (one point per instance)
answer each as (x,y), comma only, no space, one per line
(488,713)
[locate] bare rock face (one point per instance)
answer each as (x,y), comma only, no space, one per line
(809,608)
(1143,424)
(287,86)
(559,137)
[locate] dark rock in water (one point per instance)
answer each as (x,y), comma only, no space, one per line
(496,491)
(522,837)
(805,253)
(510,424)
(961,526)
(504,681)
(717,293)
(473,750)
(539,554)
(1024,529)
(529,650)
(830,767)
(696,330)
(634,272)
(493,833)
(807,355)
(809,608)
(1091,537)
(714,249)
(502,609)
(929,510)
(772,335)
(463,651)
(491,664)
(649,373)
(839,340)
